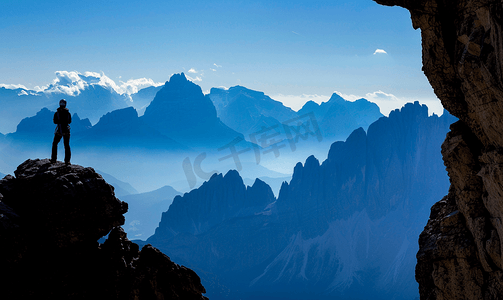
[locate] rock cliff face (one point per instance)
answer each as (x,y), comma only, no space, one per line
(460,253)
(51,216)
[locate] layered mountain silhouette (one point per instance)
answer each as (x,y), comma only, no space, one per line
(181,111)
(249,111)
(89,95)
(124,129)
(344,228)
(226,198)
(246,111)
(143,98)
(338,117)
(145,210)
(18,104)
(40,128)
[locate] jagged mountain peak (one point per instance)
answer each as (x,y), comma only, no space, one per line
(336,98)
(182,112)
(118,117)
(409,109)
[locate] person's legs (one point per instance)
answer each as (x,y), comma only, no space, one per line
(68,153)
(55,142)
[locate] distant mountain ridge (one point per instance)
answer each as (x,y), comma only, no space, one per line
(343,228)
(145,211)
(338,117)
(248,111)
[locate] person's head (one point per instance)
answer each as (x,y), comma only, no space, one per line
(62,103)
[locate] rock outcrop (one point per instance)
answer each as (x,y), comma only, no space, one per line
(460,254)
(51,216)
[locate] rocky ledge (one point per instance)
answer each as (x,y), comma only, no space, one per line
(51,216)
(460,253)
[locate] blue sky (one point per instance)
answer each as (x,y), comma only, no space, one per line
(291,50)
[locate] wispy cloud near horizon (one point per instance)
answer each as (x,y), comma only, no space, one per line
(380,51)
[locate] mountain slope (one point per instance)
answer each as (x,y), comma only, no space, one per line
(245,110)
(337,117)
(124,129)
(343,228)
(180,111)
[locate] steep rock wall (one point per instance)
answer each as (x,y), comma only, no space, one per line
(460,249)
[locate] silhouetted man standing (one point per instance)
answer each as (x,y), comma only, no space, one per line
(62,118)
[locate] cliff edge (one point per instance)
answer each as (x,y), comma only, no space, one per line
(51,216)
(460,253)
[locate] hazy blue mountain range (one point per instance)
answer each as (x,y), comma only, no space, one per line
(296,135)
(86,96)
(121,188)
(138,148)
(123,129)
(18,104)
(246,111)
(145,211)
(338,117)
(143,98)
(345,228)
(180,141)
(40,128)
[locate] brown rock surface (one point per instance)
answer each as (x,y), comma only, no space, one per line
(460,248)
(51,216)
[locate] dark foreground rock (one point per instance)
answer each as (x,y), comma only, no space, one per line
(51,216)
(460,253)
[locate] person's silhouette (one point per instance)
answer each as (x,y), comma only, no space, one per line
(62,118)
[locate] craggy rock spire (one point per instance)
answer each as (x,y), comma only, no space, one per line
(51,216)
(460,253)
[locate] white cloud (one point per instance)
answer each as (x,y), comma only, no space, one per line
(380,51)
(72,83)
(192,70)
(213,70)
(132,86)
(348,97)
(296,102)
(12,86)
(218,66)
(380,95)
(197,79)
